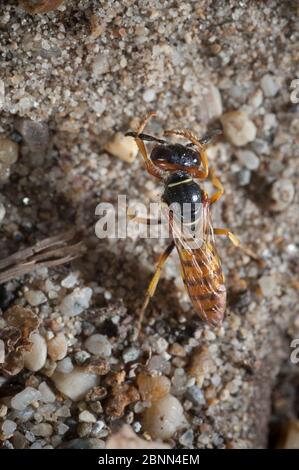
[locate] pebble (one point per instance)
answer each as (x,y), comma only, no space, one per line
(122,147)
(42,430)
(81,357)
(282,194)
(76,384)
(98,345)
(200,364)
(100,65)
(153,388)
(213,102)
(159,364)
(195,395)
(2,212)
(130,354)
(40,6)
(8,428)
(125,438)
(3,411)
(164,418)
(256,99)
(35,297)
(35,359)
(65,366)
(35,134)
(244,177)
(177,350)
(187,438)
(2,94)
(238,128)
(2,351)
(9,151)
(270,85)
(62,428)
(70,280)
(76,302)
(47,396)
(268,285)
(249,159)
(23,399)
(57,347)
(149,95)
(87,417)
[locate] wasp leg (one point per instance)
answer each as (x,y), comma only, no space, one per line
(236,242)
(143,220)
(150,167)
(218,185)
(186,134)
(153,284)
(224,231)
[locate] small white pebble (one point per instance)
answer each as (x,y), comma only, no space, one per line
(238,128)
(98,345)
(270,85)
(249,159)
(76,302)
(2,351)
(164,418)
(65,366)
(57,347)
(87,417)
(282,193)
(3,411)
(47,396)
(70,280)
(123,147)
(35,297)
(76,384)
(2,212)
(8,428)
(42,430)
(23,399)
(35,359)
(268,285)
(9,151)
(149,95)
(62,428)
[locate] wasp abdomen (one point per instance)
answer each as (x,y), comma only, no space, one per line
(205,283)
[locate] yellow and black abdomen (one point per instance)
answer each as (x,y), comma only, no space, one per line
(204,280)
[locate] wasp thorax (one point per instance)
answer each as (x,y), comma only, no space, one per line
(184,195)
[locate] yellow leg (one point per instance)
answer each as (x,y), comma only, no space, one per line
(236,242)
(142,220)
(151,168)
(224,231)
(153,284)
(217,184)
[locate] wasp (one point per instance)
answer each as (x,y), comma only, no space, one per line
(179,167)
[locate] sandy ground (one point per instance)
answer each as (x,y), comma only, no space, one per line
(88,71)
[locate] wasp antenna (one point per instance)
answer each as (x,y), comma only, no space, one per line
(210,136)
(146,137)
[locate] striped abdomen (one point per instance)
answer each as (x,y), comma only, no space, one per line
(204,280)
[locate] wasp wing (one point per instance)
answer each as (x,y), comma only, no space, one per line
(200,264)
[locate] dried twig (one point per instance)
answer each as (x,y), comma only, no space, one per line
(49,252)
